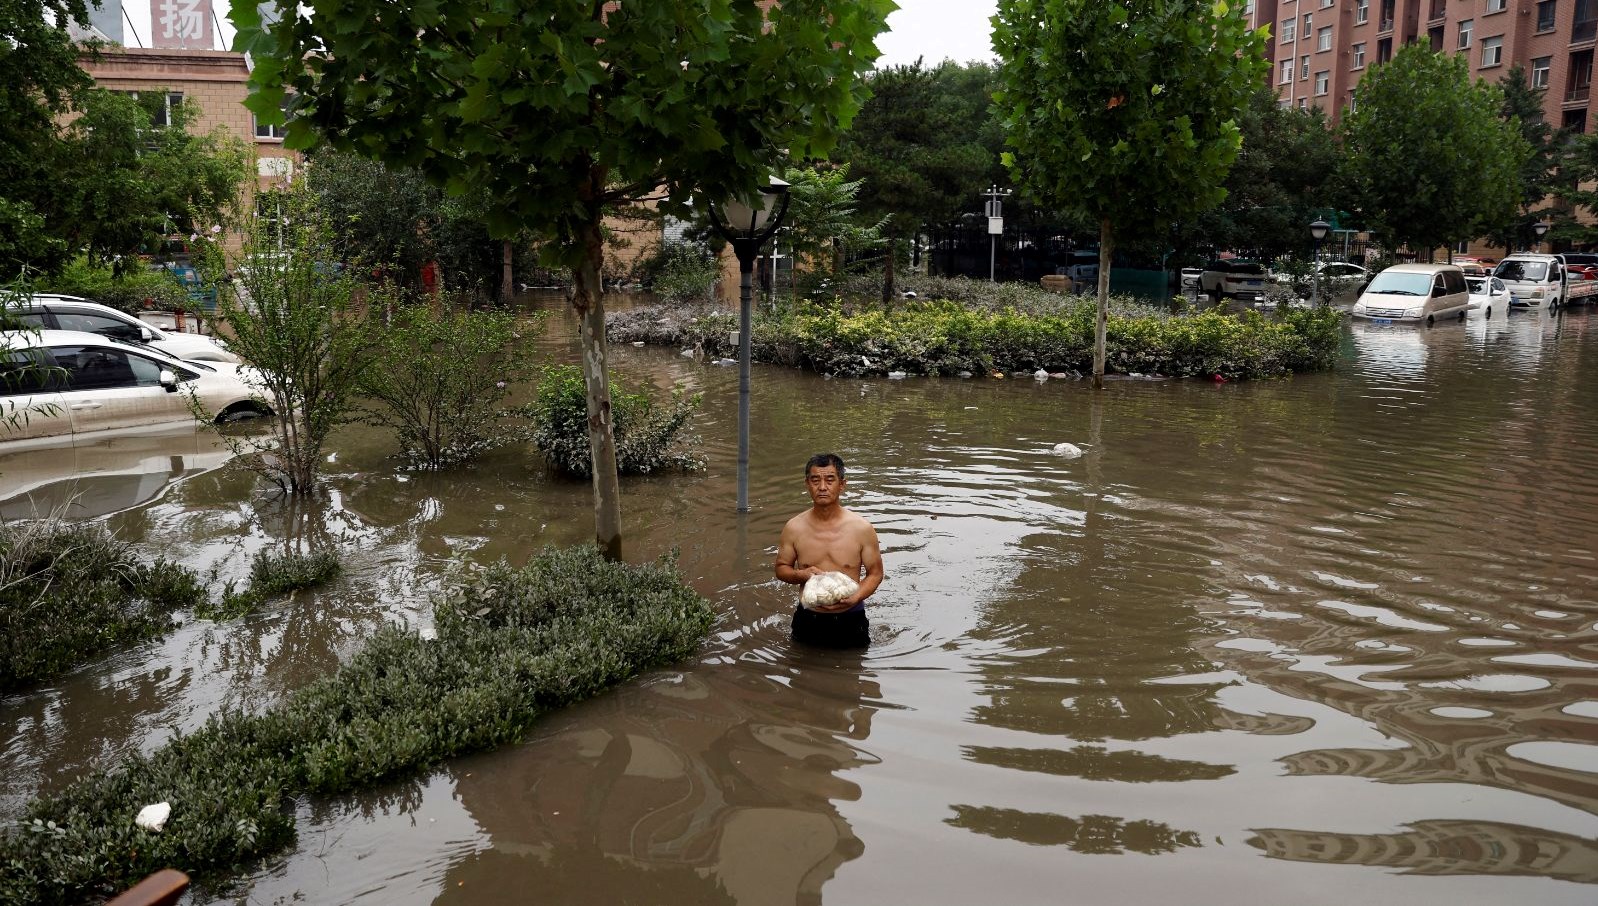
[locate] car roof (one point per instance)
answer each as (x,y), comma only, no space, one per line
(1422,268)
(34,339)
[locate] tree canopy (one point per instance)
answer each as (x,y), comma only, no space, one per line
(1429,159)
(1124,111)
(556,111)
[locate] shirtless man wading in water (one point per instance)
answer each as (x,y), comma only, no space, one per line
(829,538)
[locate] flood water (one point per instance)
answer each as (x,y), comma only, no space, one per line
(1325,640)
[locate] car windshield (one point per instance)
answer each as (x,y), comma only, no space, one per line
(1477,285)
(1534,271)
(1401,283)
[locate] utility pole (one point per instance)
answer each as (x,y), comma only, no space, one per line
(995,209)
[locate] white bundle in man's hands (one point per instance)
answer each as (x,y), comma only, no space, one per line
(825,589)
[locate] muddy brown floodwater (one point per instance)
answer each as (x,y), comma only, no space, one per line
(1325,640)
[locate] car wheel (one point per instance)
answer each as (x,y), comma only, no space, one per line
(1462,316)
(1489,311)
(1430,321)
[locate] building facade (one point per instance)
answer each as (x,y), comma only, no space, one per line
(1319,49)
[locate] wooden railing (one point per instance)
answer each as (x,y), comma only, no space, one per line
(160,889)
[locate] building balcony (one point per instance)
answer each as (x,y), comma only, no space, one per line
(1584,31)
(1578,94)
(1384,27)
(1439,12)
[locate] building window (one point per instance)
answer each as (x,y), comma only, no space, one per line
(1309,25)
(264,130)
(1323,82)
(1578,84)
(1575,121)
(1384,50)
(1326,4)
(1546,10)
(1323,39)
(1492,51)
(1464,34)
(1303,68)
(160,115)
(1362,11)
(1289,30)
(1359,55)
(1303,103)
(1287,71)
(1497,6)
(1539,71)
(1585,23)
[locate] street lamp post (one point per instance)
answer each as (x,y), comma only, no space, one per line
(1541,229)
(1318,230)
(747,224)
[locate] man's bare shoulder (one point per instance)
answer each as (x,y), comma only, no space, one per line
(798,523)
(858,522)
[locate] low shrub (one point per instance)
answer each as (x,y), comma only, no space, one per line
(511,645)
(273,574)
(650,436)
(440,381)
(136,289)
(72,592)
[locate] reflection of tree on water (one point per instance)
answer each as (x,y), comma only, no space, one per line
(1090,834)
(1091,763)
(693,794)
(1444,848)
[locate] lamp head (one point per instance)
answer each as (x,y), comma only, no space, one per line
(1319,229)
(1541,228)
(749,216)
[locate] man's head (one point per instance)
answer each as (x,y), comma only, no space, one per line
(824,478)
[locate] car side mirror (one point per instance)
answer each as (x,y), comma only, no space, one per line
(168,380)
(146,334)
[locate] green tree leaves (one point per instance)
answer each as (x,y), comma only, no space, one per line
(1429,160)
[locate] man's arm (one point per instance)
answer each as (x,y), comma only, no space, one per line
(788,559)
(871,559)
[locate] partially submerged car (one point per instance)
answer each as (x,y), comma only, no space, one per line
(1415,294)
(1489,295)
(58,384)
(49,311)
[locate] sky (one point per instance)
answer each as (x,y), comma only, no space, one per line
(934,29)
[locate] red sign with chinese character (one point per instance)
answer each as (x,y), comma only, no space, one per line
(182,23)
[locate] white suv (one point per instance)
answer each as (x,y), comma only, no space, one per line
(48,311)
(59,383)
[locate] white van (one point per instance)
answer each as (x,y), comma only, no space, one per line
(1415,293)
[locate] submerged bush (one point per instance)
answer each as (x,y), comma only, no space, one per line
(511,645)
(650,436)
(72,592)
(682,272)
(440,381)
(273,574)
(133,290)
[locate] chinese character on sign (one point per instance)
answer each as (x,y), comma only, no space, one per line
(181,23)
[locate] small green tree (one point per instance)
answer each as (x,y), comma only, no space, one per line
(441,378)
(292,314)
(1429,160)
(1523,109)
(823,224)
(559,114)
(1124,110)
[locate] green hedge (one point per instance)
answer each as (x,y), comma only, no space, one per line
(128,292)
(511,644)
(70,593)
(946,338)
(650,436)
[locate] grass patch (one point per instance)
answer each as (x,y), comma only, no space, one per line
(511,644)
(72,592)
(1006,330)
(273,574)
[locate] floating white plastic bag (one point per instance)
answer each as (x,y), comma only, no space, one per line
(826,589)
(153,817)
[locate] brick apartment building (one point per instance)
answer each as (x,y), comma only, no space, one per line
(1319,48)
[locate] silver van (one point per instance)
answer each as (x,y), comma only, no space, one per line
(1414,294)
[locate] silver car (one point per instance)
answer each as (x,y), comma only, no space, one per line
(57,384)
(48,311)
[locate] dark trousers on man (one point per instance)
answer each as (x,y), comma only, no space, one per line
(849,629)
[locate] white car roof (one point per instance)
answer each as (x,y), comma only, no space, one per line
(34,339)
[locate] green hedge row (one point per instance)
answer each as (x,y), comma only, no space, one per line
(511,644)
(947,338)
(69,593)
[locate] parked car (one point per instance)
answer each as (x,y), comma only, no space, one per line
(1488,295)
(82,383)
(1190,277)
(1415,293)
(1235,279)
(1542,280)
(1340,282)
(55,312)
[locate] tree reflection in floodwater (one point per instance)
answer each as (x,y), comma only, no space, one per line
(1094,835)
(1444,848)
(672,793)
